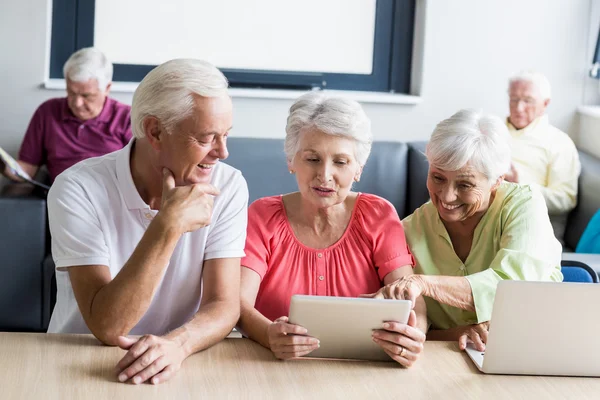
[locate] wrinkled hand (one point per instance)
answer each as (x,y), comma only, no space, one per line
(403,343)
(512,175)
(476,334)
(288,340)
(187,207)
(149,358)
(408,287)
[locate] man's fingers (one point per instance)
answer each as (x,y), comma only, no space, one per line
(141,363)
(158,365)
(125,343)
(164,375)
(168,180)
(134,352)
(207,188)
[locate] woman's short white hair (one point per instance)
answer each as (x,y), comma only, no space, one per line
(537,79)
(89,63)
(473,137)
(168,91)
(331,115)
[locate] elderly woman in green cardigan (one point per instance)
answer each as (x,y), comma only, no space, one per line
(475,231)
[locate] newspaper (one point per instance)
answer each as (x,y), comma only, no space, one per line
(16,169)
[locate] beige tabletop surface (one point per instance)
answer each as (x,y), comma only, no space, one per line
(47,366)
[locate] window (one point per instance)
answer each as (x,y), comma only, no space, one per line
(335,44)
(595,70)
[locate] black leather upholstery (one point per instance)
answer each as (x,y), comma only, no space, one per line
(385,174)
(418,167)
(23,248)
(263,164)
(588,199)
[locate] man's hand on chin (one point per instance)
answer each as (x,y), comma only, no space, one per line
(150,358)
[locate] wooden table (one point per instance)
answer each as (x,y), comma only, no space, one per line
(40,366)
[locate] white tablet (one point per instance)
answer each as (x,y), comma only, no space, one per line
(344,325)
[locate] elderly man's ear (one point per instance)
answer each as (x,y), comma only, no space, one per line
(153,131)
(546,102)
(107,90)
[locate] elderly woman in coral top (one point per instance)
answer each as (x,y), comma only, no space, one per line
(324,239)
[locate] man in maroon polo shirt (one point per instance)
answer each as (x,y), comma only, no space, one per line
(86,123)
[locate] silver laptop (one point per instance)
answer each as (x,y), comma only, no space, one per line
(344,325)
(543,328)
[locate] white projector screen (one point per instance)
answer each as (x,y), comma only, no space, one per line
(332,36)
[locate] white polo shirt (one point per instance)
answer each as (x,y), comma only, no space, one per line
(97,217)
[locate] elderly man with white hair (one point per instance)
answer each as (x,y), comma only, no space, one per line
(87,123)
(542,155)
(476,230)
(147,240)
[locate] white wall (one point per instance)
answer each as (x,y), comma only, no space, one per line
(471,47)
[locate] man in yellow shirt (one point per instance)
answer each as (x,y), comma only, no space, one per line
(542,155)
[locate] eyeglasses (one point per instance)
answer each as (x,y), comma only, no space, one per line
(529,101)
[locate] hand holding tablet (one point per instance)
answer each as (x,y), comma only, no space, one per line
(288,340)
(344,326)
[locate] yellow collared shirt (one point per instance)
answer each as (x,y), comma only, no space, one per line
(547,159)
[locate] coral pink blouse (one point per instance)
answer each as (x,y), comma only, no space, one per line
(372,246)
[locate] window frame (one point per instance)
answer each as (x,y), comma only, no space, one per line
(595,69)
(73,29)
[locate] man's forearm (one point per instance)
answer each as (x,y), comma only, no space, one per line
(119,305)
(7,172)
(211,324)
(454,291)
(254,325)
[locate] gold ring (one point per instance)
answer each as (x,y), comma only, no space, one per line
(402,352)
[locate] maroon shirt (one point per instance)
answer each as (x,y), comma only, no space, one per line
(57,138)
